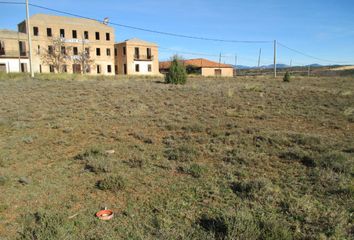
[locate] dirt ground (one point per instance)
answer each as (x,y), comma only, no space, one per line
(246,158)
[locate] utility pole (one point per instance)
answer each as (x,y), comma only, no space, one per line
(235,65)
(275,58)
(308,71)
(219,60)
(259,57)
(28,26)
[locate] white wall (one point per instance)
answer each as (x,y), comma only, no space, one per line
(143,67)
(12,64)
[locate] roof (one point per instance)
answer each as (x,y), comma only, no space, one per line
(199,62)
(10,34)
(66,20)
(137,41)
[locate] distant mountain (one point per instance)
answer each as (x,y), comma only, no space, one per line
(262,67)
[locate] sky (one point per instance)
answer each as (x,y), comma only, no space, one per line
(320,28)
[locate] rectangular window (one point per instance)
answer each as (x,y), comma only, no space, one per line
(217,72)
(137,68)
(108,37)
(49,32)
(137,54)
(2,48)
(98,69)
(109,68)
(50,50)
(23,67)
(149,68)
(125,68)
(76,68)
(63,50)
(35,31)
(22,46)
(86,35)
(124,51)
(74,34)
(87,51)
(51,68)
(115,52)
(148,53)
(97,36)
(62,33)
(76,51)
(116,69)
(108,52)
(98,51)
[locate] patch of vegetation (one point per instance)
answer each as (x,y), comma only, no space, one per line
(113,183)
(236,156)
(335,161)
(304,157)
(177,73)
(135,163)
(3,180)
(287,77)
(195,170)
(183,153)
(248,189)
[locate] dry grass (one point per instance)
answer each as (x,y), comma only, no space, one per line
(214,159)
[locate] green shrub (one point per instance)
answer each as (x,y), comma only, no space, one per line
(248,189)
(3,180)
(287,77)
(111,183)
(194,170)
(336,162)
(99,164)
(177,73)
(184,153)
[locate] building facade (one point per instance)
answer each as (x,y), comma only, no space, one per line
(203,67)
(78,36)
(136,57)
(13,52)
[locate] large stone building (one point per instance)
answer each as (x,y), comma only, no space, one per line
(137,57)
(74,39)
(203,67)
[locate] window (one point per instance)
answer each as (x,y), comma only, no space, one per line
(115,52)
(87,51)
(74,34)
(2,48)
(35,31)
(49,32)
(108,37)
(86,35)
(76,68)
(137,54)
(51,68)
(62,33)
(97,36)
(125,68)
(108,52)
(22,47)
(50,50)
(76,51)
(63,50)
(98,69)
(40,68)
(98,51)
(64,68)
(109,68)
(148,53)
(124,51)
(149,68)
(217,72)
(116,69)
(137,68)
(23,67)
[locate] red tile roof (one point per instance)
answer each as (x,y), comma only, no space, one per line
(199,62)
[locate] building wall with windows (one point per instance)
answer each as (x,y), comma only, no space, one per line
(79,35)
(136,57)
(13,52)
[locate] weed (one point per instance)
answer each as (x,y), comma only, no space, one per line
(299,155)
(195,170)
(183,153)
(112,183)
(236,156)
(3,180)
(335,161)
(248,189)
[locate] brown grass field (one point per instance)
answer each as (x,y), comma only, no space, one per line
(245,158)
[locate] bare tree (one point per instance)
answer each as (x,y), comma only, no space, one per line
(84,59)
(57,54)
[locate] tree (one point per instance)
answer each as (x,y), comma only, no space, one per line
(84,59)
(56,55)
(177,73)
(287,77)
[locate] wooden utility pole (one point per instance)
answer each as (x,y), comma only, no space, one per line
(308,71)
(28,26)
(219,60)
(275,58)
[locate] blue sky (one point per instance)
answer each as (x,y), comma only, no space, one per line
(323,28)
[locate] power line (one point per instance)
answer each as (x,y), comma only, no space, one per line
(149,30)
(308,55)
